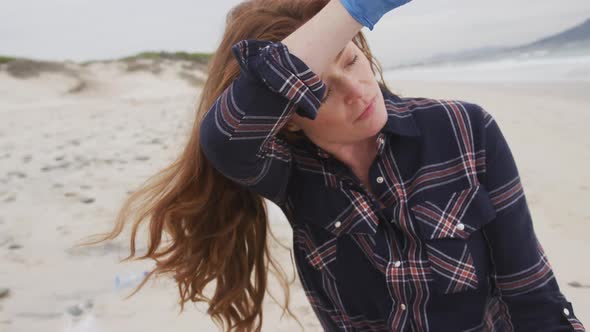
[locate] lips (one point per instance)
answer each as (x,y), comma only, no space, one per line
(367,109)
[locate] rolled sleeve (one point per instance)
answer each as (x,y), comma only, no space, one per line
(239,133)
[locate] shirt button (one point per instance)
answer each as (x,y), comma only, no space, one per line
(403,306)
(337,224)
(460,226)
(398,264)
(380,179)
(566,312)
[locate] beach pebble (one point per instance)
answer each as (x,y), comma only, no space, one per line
(4,292)
(87,200)
(576,284)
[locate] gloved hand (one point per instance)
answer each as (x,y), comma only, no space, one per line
(369,12)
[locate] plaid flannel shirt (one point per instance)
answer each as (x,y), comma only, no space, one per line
(444,243)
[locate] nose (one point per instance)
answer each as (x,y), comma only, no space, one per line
(353,90)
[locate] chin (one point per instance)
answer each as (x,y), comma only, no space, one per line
(378,121)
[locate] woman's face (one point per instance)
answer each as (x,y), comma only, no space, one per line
(350,88)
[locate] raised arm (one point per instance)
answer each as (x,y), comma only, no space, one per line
(239,132)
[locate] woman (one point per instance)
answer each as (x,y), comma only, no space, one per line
(407,213)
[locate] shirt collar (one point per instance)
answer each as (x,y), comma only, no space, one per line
(400,121)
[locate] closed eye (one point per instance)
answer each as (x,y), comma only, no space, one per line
(354,60)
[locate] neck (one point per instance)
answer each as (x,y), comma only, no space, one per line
(357,156)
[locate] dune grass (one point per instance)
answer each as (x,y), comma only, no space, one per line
(193,57)
(5,59)
(196,57)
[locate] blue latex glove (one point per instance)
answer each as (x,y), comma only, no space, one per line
(369,12)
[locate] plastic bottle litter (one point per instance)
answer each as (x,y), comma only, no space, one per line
(128,280)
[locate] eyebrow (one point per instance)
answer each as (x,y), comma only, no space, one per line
(340,54)
(337,58)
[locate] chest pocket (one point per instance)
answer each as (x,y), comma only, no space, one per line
(445,223)
(323,216)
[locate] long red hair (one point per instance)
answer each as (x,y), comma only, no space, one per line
(216,231)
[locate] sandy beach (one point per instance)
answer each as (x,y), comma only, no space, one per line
(74,143)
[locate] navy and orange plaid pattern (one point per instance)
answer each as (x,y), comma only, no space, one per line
(443,242)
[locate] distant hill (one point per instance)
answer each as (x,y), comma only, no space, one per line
(573,41)
(577,34)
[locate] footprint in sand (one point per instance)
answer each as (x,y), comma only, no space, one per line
(6,239)
(49,168)
(17,174)
(83,199)
(63,230)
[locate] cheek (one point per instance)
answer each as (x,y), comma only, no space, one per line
(327,121)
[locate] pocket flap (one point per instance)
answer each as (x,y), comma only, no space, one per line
(455,216)
(336,211)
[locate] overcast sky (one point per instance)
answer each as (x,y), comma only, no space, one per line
(99,29)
